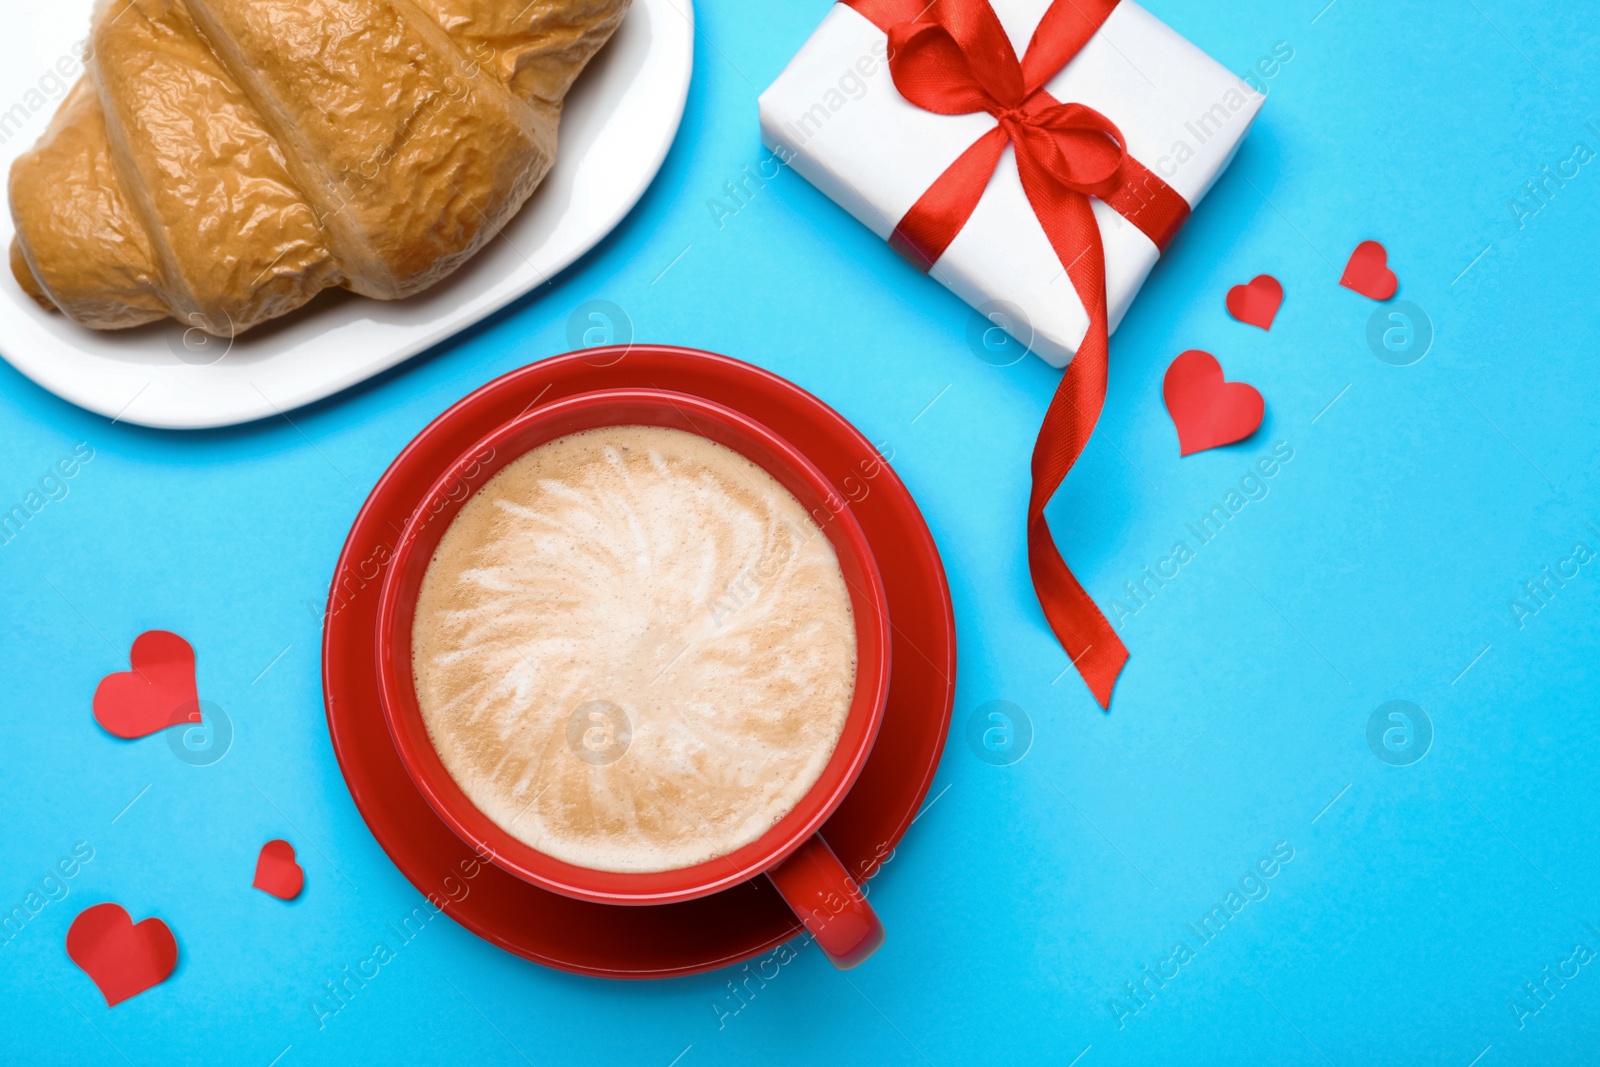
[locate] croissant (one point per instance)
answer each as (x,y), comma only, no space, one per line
(222,162)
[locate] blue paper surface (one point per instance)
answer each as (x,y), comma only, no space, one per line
(1418,911)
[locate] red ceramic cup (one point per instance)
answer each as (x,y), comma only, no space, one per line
(792,854)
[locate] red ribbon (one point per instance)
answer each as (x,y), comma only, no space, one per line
(952,57)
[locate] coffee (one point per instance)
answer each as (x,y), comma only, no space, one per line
(634,650)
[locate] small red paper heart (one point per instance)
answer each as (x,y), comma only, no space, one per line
(1368,272)
(1257,303)
(1208,410)
(124,959)
(157,693)
(277,873)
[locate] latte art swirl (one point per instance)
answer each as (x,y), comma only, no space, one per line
(634,649)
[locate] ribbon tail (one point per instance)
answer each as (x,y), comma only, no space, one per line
(1079,625)
(1083,630)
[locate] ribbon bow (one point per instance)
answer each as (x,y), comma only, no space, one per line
(952,57)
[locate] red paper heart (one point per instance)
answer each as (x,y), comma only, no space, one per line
(157,693)
(1368,272)
(277,873)
(1256,304)
(1207,410)
(123,959)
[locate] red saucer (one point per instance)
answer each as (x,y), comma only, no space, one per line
(659,941)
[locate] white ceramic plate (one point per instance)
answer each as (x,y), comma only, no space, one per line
(620,120)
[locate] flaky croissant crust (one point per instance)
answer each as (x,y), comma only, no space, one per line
(223,161)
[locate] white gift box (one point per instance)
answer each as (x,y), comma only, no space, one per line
(835,116)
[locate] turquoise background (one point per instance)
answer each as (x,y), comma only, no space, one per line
(1381,565)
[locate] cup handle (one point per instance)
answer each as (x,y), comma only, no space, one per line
(833,907)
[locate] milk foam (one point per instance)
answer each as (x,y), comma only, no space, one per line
(634,650)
